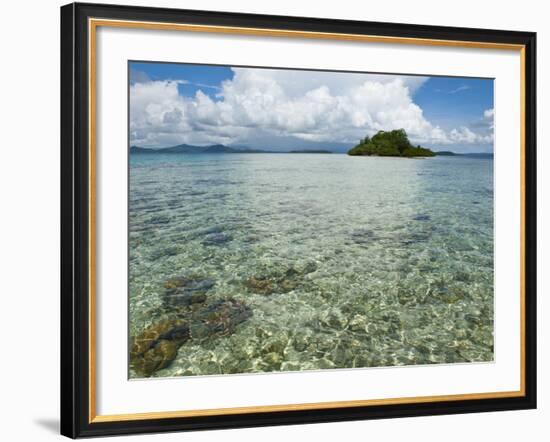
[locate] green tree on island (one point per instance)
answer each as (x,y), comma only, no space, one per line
(394,143)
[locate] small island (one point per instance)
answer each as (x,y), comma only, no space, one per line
(394,143)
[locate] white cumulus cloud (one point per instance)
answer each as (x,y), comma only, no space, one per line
(314,106)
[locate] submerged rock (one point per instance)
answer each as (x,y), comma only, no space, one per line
(414,238)
(264,285)
(212,229)
(250,239)
(156,358)
(301,342)
(183,291)
(279,282)
(363,236)
(157,346)
(164,252)
(159,219)
(177,281)
(220,317)
(260,285)
(421,217)
(310,267)
(462,276)
(335,319)
(154,333)
(184,299)
(216,239)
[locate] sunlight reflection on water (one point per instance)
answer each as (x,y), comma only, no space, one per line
(344,261)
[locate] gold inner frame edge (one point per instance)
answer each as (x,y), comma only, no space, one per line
(93,24)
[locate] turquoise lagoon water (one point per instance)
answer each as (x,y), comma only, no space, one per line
(389,261)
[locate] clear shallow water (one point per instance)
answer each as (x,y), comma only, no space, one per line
(343,261)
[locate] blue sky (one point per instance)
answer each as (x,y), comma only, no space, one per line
(283,109)
(453,101)
(204,77)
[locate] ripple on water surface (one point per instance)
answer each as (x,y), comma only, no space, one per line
(259,262)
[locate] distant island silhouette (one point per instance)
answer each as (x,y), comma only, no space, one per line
(188,148)
(310,151)
(214,148)
(448,153)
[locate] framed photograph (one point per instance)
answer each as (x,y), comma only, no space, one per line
(274,220)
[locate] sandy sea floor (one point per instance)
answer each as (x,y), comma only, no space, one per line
(283,262)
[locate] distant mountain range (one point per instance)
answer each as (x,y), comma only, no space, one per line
(214,148)
(188,148)
(309,151)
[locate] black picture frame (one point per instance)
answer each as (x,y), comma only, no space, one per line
(75,220)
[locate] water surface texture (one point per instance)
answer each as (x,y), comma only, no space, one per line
(339,261)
